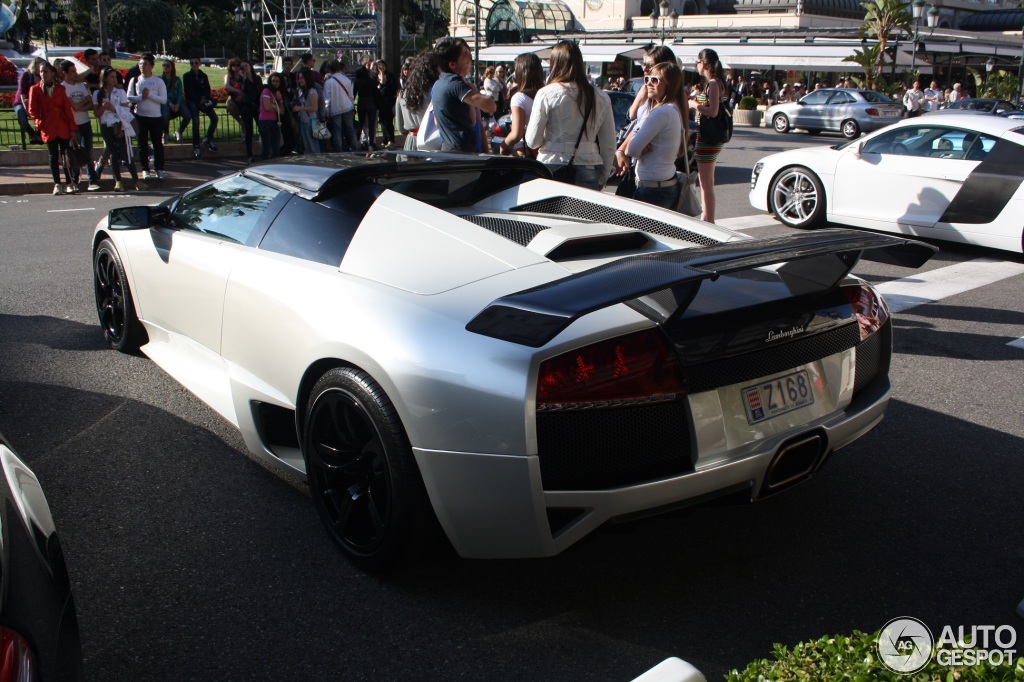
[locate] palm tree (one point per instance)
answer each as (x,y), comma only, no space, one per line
(867,59)
(881,18)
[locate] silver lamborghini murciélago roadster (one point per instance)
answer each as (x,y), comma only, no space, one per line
(424,334)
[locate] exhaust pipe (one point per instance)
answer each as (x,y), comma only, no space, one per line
(794,462)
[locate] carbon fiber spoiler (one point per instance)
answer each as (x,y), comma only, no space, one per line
(533,317)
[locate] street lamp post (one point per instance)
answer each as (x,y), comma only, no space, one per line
(429,8)
(1020,69)
(989,65)
(48,16)
(918,9)
(664,10)
(247,15)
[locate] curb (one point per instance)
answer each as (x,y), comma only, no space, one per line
(174,151)
(46,187)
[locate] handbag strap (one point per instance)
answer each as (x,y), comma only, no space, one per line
(579,139)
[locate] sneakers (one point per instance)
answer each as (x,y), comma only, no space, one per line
(197,152)
(210,145)
(118,186)
(70,188)
(177,136)
(140,186)
(160,175)
(58,189)
(99,170)
(93,187)
(146,175)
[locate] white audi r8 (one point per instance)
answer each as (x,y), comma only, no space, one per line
(942,176)
(425,335)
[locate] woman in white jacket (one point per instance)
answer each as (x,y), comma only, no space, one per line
(558,115)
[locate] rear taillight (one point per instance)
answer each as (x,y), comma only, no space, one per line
(17,664)
(872,112)
(629,370)
(870,308)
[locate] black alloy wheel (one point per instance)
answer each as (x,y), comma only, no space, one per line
(362,475)
(114,305)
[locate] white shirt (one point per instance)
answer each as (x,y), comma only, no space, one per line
(913,100)
(932,99)
(523,102)
(118,98)
(338,93)
(150,106)
(78,93)
(662,128)
(555,123)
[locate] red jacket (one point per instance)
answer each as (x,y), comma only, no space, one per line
(53,115)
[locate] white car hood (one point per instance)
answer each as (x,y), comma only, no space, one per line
(821,160)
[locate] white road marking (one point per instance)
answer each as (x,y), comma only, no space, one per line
(1019,343)
(748,222)
(68,210)
(926,287)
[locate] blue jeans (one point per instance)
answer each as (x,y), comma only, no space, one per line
(85,139)
(343,132)
(665,197)
(310,144)
(194,109)
(586,176)
(270,139)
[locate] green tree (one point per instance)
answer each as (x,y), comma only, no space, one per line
(143,24)
(867,59)
(881,19)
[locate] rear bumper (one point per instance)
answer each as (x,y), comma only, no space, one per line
(494,506)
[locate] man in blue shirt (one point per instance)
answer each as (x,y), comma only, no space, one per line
(457,103)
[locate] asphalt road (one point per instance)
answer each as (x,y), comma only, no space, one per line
(191,561)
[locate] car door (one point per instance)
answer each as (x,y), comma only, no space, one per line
(904,179)
(181,269)
(809,112)
(837,110)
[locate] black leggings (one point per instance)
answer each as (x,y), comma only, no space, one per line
(118,148)
(58,148)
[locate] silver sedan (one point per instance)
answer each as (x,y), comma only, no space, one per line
(849,111)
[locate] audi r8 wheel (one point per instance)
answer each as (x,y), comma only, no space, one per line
(797,198)
(363,478)
(114,305)
(850,129)
(780,123)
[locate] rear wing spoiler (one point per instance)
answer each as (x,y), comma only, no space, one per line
(534,316)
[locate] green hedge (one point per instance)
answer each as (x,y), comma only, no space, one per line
(856,659)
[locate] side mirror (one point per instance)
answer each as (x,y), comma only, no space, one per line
(137,217)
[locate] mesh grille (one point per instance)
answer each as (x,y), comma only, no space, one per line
(600,449)
(872,359)
(588,210)
(733,370)
(514,230)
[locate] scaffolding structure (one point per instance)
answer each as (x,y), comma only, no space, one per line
(347,29)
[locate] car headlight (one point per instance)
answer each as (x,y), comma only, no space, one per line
(756,172)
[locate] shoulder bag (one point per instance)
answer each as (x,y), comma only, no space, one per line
(428,135)
(567,173)
(716,130)
(689,202)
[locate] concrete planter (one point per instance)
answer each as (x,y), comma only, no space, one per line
(747,117)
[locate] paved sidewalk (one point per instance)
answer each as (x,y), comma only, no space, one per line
(182,171)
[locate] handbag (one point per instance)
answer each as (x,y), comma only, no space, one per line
(689,202)
(627,185)
(716,130)
(567,173)
(428,135)
(78,156)
(320,130)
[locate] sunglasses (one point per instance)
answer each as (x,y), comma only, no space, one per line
(194,63)
(648,66)
(652,80)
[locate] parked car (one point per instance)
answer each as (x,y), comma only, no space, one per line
(944,176)
(39,638)
(848,111)
(621,102)
(975,105)
(422,335)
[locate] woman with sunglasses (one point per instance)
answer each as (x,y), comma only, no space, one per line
(657,140)
(707,103)
(655,55)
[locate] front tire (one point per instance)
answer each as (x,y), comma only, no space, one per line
(362,475)
(780,123)
(797,198)
(850,129)
(114,304)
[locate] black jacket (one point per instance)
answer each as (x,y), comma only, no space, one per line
(196,86)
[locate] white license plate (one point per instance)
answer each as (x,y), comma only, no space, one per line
(778,396)
(891,114)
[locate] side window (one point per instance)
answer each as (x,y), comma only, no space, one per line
(842,98)
(816,97)
(314,232)
(229,209)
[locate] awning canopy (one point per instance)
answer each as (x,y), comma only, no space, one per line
(608,53)
(794,57)
(592,53)
(508,53)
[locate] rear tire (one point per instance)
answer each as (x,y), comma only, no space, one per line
(114,304)
(850,129)
(364,481)
(797,197)
(780,123)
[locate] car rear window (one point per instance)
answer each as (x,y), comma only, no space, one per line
(872,96)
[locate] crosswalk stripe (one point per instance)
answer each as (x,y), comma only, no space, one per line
(926,287)
(1019,343)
